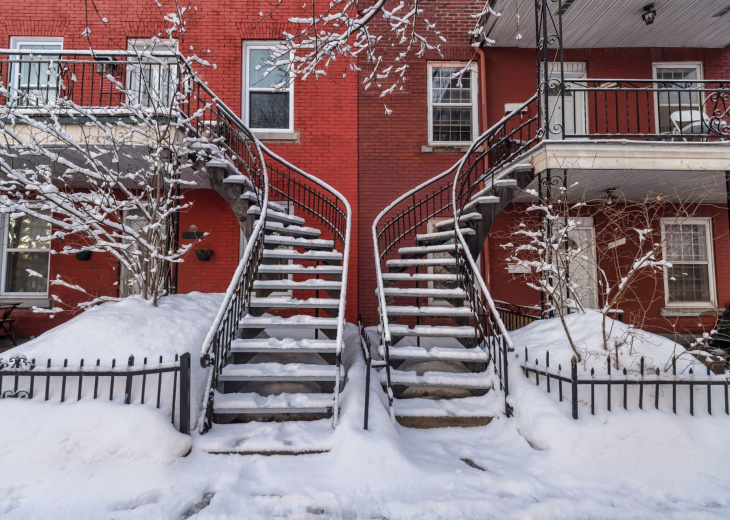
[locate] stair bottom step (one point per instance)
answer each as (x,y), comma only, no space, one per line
(481,406)
(252,403)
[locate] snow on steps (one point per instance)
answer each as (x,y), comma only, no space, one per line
(428,311)
(417,292)
(277,216)
(292,322)
(252,403)
(444,235)
(426,250)
(449,224)
(421,262)
(418,277)
(268,438)
(475,380)
(472,406)
(470,355)
(488,199)
(502,183)
(304,243)
(273,206)
(279,372)
(283,302)
(300,269)
(286,345)
(314,284)
(431,331)
(292,230)
(308,256)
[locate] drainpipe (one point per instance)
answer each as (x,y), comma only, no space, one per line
(484,126)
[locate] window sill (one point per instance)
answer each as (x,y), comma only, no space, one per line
(26,302)
(277,136)
(689,312)
(439,148)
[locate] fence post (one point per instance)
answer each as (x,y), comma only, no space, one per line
(128,387)
(574,385)
(185,393)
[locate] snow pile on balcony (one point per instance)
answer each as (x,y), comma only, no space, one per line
(629,343)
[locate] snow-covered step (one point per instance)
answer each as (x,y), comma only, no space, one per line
(449,224)
(283,302)
(252,403)
(506,183)
(303,243)
(268,438)
(435,311)
(477,380)
(286,345)
(314,284)
(298,321)
(411,292)
(472,406)
(420,262)
(418,277)
(279,372)
(292,231)
(485,199)
(277,216)
(300,269)
(431,331)
(307,256)
(273,206)
(502,183)
(440,236)
(238,179)
(427,250)
(473,355)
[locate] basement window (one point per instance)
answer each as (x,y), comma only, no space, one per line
(452,103)
(268,96)
(687,245)
(25,256)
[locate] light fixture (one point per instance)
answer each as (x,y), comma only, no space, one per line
(611,197)
(649,14)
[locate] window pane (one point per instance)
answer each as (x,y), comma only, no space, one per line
(452,124)
(686,242)
(24,232)
(36,78)
(153,80)
(259,78)
(17,278)
(689,283)
(448,89)
(676,98)
(269,110)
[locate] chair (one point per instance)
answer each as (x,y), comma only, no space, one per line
(689,122)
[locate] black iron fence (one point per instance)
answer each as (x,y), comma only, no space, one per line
(517,316)
(165,385)
(645,387)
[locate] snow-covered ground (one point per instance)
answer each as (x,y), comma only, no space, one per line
(107,460)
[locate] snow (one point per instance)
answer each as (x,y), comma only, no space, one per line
(96,459)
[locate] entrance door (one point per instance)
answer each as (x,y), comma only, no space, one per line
(571,106)
(583,265)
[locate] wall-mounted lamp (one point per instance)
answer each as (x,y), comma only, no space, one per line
(611,197)
(649,14)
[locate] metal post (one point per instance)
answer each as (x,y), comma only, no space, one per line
(128,387)
(185,393)
(574,385)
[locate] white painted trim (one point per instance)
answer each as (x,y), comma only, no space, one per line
(697,65)
(707,222)
(474,101)
(248,45)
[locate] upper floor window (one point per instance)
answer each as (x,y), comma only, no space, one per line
(34,77)
(688,247)
(268,89)
(677,104)
(25,256)
(152,80)
(452,103)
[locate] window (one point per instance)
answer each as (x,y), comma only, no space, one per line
(676,105)
(687,246)
(25,251)
(34,77)
(567,109)
(452,103)
(152,80)
(268,97)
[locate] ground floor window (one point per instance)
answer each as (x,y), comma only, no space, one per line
(690,281)
(25,255)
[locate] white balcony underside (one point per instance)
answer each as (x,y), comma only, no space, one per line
(598,23)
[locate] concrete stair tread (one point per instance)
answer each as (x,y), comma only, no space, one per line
(292,230)
(439,236)
(298,321)
(421,262)
(277,216)
(429,311)
(417,292)
(476,380)
(426,250)
(474,355)
(286,345)
(300,269)
(418,277)
(307,256)
(284,302)
(314,284)
(455,407)
(484,199)
(303,243)
(250,402)
(449,224)
(279,372)
(431,331)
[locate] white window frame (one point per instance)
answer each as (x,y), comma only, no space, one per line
(248,46)
(474,101)
(657,65)
(132,46)
(4,250)
(573,72)
(16,42)
(707,223)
